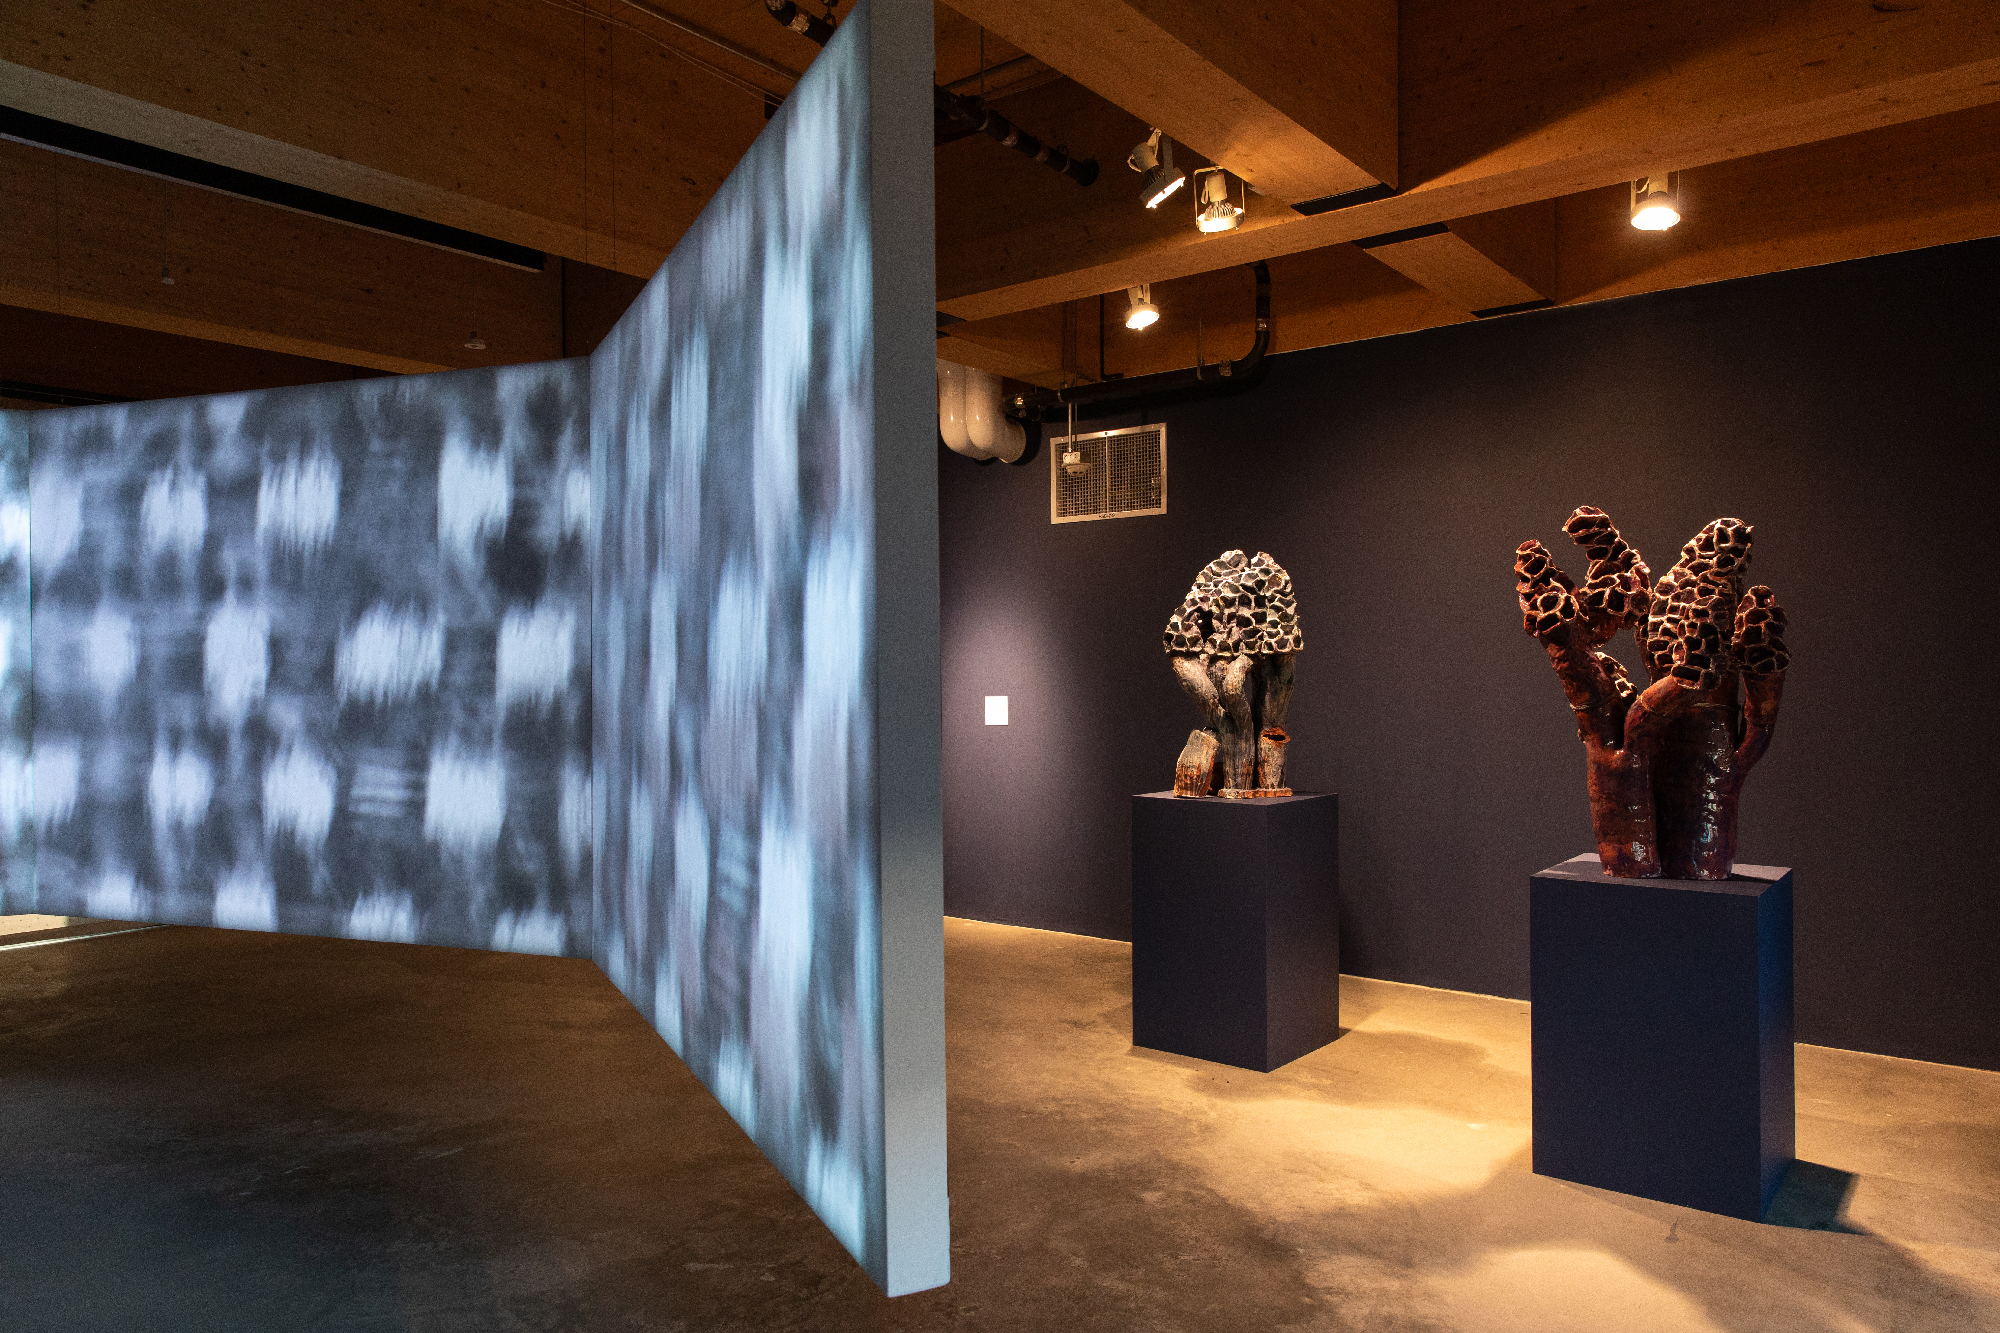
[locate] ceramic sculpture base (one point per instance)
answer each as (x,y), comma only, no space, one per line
(1662,1022)
(1235,927)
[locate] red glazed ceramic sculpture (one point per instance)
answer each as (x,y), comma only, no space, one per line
(1666,764)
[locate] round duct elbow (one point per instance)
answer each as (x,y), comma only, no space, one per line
(952,429)
(986,422)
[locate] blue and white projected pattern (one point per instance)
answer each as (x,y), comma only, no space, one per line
(17,845)
(567,658)
(732,417)
(316,660)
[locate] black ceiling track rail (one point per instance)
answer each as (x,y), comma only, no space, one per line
(42,393)
(1516,309)
(1334,202)
(1397,237)
(25,127)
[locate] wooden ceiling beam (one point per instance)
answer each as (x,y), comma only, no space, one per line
(1932,182)
(1041,370)
(1483,264)
(1297,98)
(537,122)
(66,353)
(1903,187)
(1449,265)
(89,240)
(1490,121)
(1324,296)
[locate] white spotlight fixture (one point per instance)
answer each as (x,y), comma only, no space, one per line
(1217,211)
(1656,201)
(1158,176)
(1140,312)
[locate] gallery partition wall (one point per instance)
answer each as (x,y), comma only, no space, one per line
(1847,412)
(633,658)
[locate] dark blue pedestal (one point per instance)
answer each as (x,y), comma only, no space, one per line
(1663,1033)
(1235,927)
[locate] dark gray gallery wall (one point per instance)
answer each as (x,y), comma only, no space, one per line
(1849,412)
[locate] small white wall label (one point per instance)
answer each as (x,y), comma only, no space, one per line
(996,710)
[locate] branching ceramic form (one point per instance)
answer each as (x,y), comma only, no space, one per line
(1666,763)
(1234,642)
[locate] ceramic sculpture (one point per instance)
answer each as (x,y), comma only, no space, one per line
(1234,641)
(1666,763)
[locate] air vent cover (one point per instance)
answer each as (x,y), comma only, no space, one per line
(1108,474)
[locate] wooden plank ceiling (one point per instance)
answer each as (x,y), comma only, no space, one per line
(1407,164)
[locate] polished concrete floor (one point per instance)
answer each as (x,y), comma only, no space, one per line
(217,1131)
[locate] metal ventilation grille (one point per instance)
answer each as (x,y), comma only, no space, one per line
(1108,474)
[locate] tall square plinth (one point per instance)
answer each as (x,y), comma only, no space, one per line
(1235,927)
(1663,1033)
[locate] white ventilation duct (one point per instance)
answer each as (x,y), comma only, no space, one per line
(992,433)
(951,410)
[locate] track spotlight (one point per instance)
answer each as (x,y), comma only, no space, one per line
(1656,202)
(1154,161)
(474,342)
(1140,312)
(1218,212)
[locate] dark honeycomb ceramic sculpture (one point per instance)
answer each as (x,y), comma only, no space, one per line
(1234,642)
(1666,763)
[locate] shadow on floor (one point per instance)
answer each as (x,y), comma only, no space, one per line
(1813,1198)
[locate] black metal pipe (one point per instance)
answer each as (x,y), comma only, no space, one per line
(805,25)
(1193,382)
(997,127)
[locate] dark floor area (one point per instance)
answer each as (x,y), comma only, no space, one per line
(214,1131)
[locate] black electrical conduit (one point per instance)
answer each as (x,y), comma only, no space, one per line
(1193,382)
(968,109)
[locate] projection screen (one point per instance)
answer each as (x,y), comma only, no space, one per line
(316,659)
(17,844)
(634,658)
(767,706)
